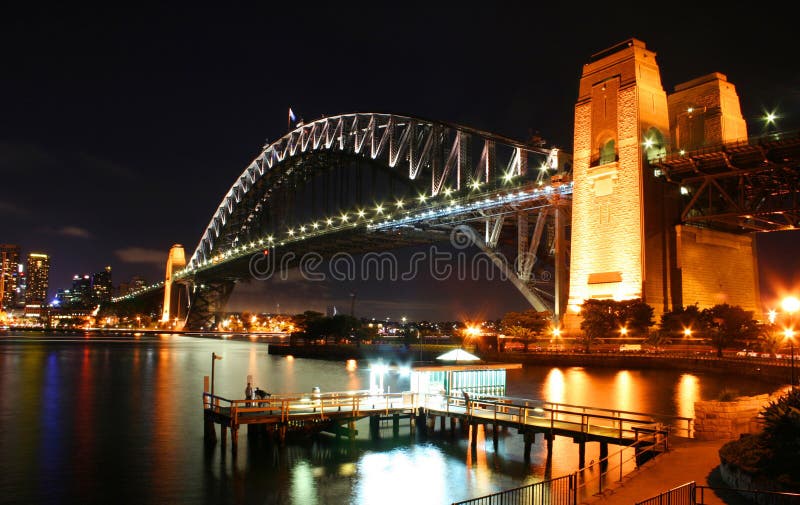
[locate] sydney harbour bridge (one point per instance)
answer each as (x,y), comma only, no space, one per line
(643,207)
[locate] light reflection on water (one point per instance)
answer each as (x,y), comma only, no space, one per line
(119,419)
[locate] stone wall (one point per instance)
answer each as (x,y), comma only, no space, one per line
(728,420)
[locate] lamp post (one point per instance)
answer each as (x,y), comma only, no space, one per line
(790,305)
(789,335)
(214,358)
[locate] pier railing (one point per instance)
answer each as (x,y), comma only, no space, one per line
(321,405)
(619,423)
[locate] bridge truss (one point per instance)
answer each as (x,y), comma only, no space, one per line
(744,186)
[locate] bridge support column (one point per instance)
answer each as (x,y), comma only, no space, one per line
(495,436)
(375,427)
(603,456)
(549,438)
(223,433)
(351,425)
(395,425)
(530,438)
(452,427)
(282,434)
(442,420)
(209,432)
(234,440)
(207,304)
(581,454)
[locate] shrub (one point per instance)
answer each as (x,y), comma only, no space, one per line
(774,452)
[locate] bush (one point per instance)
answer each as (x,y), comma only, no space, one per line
(774,452)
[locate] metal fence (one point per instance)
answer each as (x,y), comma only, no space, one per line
(756,497)
(681,495)
(558,491)
(692,494)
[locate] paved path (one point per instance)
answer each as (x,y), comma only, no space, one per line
(686,461)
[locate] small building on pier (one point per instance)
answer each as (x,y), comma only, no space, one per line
(460,372)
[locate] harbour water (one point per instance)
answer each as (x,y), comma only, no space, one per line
(105,418)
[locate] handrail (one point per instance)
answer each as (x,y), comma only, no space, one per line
(777,497)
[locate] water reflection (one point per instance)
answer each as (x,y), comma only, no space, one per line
(688,392)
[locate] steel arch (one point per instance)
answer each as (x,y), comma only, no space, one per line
(439,151)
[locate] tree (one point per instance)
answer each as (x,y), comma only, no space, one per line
(730,325)
(636,315)
(769,338)
(678,320)
(598,320)
(526,326)
(602,318)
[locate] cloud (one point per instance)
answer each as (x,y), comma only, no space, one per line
(21,158)
(142,255)
(10,209)
(74,231)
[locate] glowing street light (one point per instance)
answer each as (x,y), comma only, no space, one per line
(687,332)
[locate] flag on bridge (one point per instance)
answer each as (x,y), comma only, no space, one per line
(291,115)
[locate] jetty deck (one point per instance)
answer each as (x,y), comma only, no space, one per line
(337,413)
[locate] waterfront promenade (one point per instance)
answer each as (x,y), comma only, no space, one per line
(687,460)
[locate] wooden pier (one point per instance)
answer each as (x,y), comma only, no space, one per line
(337,413)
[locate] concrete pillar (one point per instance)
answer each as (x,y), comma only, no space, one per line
(581,454)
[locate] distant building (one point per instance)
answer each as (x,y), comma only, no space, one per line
(9,276)
(101,286)
(37,283)
(81,293)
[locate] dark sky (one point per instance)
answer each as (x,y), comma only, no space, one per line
(122,128)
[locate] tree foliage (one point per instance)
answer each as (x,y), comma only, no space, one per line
(676,321)
(730,325)
(526,326)
(604,318)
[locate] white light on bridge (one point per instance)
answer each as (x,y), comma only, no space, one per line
(315,225)
(360,213)
(302,229)
(379,209)
(399,204)
(291,232)
(344,218)
(329,221)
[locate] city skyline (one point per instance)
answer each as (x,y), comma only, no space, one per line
(135,146)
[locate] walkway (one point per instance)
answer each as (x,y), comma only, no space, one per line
(687,460)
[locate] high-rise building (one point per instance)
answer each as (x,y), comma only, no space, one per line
(9,275)
(81,293)
(37,284)
(102,287)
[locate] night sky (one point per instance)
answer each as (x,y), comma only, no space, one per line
(121,129)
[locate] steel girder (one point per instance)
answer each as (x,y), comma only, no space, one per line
(208,300)
(743,186)
(420,149)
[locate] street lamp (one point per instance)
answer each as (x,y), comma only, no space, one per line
(790,305)
(214,358)
(789,334)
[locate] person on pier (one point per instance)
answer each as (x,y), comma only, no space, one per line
(248,393)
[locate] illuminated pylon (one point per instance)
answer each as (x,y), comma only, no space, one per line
(175,262)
